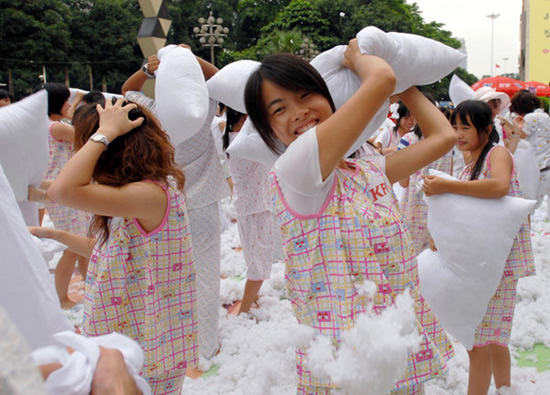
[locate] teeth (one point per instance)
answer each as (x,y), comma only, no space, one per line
(305,128)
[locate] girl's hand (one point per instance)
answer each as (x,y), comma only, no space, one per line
(153,63)
(351,55)
(434,185)
(432,245)
(518,124)
(114,121)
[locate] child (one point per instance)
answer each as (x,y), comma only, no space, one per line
(413,207)
(61,142)
(254,216)
(339,221)
(142,277)
(388,140)
(491,174)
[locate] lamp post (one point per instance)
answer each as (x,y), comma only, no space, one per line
(211,33)
(493,16)
(308,50)
(505,60)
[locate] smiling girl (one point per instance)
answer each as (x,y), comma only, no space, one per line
(491,174)
(339,219)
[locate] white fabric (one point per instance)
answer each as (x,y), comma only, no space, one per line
(486,93)
(385,136)
(460,91)
(26,287)
(180,93)
(474,237)
(108,95)
(75,377)
(528,169)
(415,60)
(24,146)
(227,85)
(48,247)
(298,173)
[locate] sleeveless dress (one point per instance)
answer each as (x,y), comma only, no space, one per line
(63,218)
(496,326)
(413,207)
(143,285)
(357,235)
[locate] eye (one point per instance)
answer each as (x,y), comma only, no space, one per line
(305,94)
(278,110)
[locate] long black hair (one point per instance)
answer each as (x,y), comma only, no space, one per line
(479,115)
(232,118)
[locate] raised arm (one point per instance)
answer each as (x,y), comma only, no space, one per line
(439,138)
(338,133)
(137,80)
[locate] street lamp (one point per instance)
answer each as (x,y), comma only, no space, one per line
(493,16)
(211,33)
(505,60)
(308,50)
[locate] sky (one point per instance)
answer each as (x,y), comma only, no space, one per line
(468,19)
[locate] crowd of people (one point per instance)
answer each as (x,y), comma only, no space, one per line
(141,217)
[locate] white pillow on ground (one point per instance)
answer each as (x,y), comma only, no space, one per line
(227,85)
(24,147)
(474,237)
(27,291)
(460,91)
(181,96)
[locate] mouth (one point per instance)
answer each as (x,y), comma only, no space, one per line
(304,128)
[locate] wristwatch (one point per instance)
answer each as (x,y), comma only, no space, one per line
(146,71)
(99,138)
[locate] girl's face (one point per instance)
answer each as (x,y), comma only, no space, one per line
(292,113)
(467,136)
(407,123)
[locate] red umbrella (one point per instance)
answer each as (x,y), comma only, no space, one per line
(501,84)
(539,88)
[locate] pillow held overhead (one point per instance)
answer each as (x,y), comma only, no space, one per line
(180,92)
(24,147)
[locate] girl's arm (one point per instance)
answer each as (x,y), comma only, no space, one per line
(74,105)
(136,81)
(80,245)
(495,187)
(377,84)
(438,138)
(62,131)
(144,201)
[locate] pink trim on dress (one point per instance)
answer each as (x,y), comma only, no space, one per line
(165,219)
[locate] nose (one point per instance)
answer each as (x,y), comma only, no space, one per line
(301,112)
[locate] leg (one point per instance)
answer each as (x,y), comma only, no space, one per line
(479,377)
(63,273)
(500,363)
(251,289)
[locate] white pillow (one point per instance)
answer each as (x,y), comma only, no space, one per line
(227,85)
(181,96)
(527,167)
(27,292)
(460,91)
(249,145)
(415,60)
(108,95)
(474,237)
(24,147)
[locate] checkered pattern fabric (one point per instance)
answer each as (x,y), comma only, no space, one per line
(497,322)
(412,205)
(143,285)
(63,218)
(358,235)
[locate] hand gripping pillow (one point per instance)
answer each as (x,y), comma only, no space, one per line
(180,93)
(415,60)
(24,142)
(227,85)
(474,237)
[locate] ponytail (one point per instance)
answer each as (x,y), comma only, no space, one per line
(493,140)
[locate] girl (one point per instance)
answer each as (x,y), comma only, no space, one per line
(413,207)
(339,220)
(388,140)
(254,216)
(491,174)
(61,142)
(142,277)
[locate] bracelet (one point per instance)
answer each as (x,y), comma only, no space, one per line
(43,196)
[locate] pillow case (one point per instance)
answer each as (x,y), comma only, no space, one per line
(24,149)
(460,91)
(227,85)
(473,237)
(181,96)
